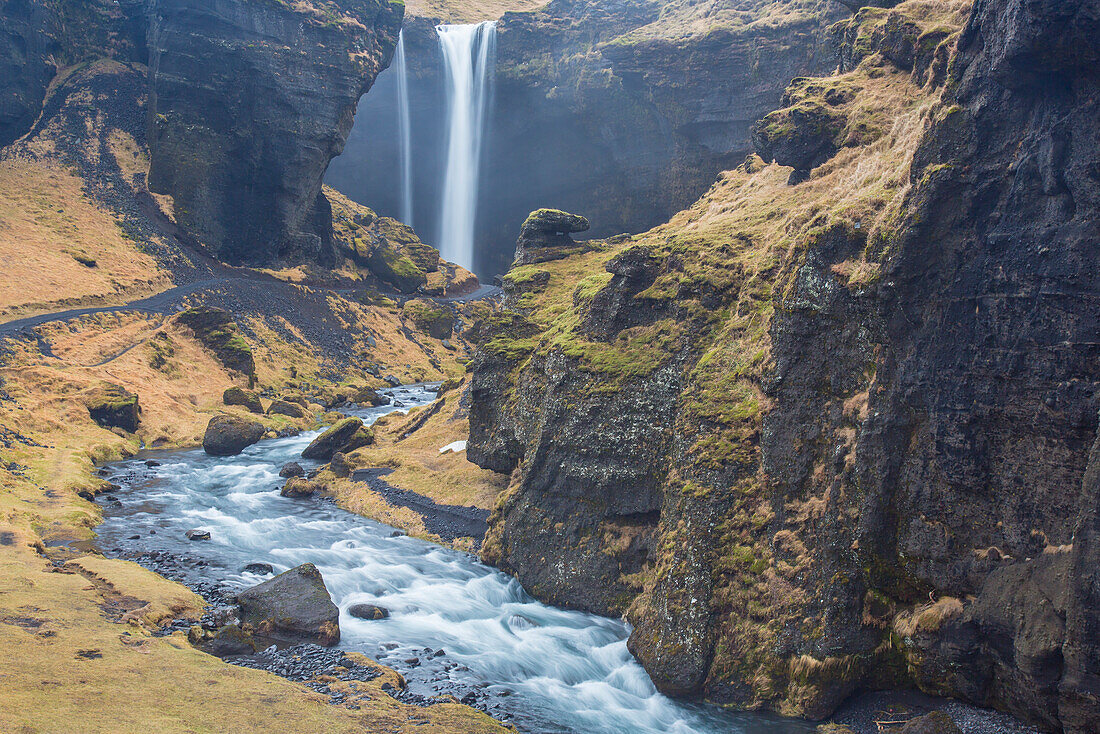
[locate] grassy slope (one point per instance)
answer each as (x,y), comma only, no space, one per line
(49,614)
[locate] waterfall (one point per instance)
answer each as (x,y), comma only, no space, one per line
(404,129)
(467,56)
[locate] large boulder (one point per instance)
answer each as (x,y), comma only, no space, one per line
(284,407)
(247,398)
(545,236)
(229,435)
(345,435)
(113,406)
(294,606)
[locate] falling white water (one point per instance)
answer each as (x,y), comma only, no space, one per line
(404,129)
(467,56)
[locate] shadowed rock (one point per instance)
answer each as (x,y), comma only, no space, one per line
(345,435)
(114,406)
(294,606)
(545,236)
(229,435)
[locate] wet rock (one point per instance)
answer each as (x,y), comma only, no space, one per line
(369,396)
(368,611)
(294,606)
(345,435)
(296,487)
(262,569)
(198,535)
(152,464)
(292,469)
(113,406)
(283,407)
(392,380)
(246,398)
(228,435)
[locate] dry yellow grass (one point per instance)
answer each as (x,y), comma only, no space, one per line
(464,11)
(83,635)
(46,220)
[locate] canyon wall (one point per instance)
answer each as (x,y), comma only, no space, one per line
(620,112)
(249,101)
(830,430)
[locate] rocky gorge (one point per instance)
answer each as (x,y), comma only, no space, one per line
(834,429)
(784,414)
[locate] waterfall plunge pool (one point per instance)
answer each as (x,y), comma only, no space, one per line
(540,668)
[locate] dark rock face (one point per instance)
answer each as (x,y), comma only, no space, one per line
(920,507)
(345,435)
(113,406)
(294,606)
(36,38)
(595,110)
(249,102)
(229,435)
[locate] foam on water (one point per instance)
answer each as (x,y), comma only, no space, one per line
(547,669)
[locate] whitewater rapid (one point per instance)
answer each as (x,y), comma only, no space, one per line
(543,669)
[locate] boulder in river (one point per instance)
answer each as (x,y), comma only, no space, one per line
(294,606)
(228,435)
(345,435)
(261,569)
(299,487)
(113,406)
(198,535)
(292,469)
(247,398)
(368,611)
(369,396)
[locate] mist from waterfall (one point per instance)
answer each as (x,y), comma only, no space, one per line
(468,54)
(404,130)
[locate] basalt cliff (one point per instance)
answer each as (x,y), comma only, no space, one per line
(248,101)
(833,427)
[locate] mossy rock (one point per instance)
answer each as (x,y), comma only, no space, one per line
(216,330)
(113,406)
(345,435)
(237,396)
(434,320)
(284,407)
(396,269)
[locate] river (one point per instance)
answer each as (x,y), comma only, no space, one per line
(541,668)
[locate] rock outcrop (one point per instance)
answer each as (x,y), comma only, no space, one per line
(113,406)
(820,437)
(249,102)
(294,606)
(245,398)
(545,236)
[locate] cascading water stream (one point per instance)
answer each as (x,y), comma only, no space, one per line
(404,130)
(548,670)
(468,54)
